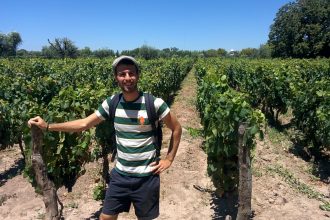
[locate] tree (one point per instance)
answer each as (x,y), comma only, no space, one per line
(148,52)
(85,52)
(215,53)
(22,53)
(249,52)
(210,53)
(60,48)
(222,52)
(264,51)
(166,52)
(174,52)
(302,30)
(9,44)
(49,52)
(103,53)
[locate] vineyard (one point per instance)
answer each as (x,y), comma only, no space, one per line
(234,91)
(258,93)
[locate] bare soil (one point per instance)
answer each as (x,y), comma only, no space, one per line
(186,190)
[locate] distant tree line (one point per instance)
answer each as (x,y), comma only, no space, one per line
(301,29)
(65,48)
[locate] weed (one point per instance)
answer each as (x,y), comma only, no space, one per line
(41,216)
(99,192)
(73,205)
(299,186)
(195,132)
(256,172)
(274,136)
(3,199)
(325,206)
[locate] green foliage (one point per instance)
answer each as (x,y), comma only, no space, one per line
(99,191)
(5,125)
(325,206)
(265,51)
(230,90)
(222,110)
(64,90)
(148,52)
(301,30)
(103,53)
(275,85)
(215,53)
(194,132)
(266,82)
(104,134)
(85,52)
(163,76)
(9,44)
(249,53)
(311,101)
(60,48)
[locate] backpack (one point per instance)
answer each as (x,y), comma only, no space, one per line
(152,117)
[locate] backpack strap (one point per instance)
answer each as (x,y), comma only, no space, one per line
(112,112)
(113,105)
(152,117)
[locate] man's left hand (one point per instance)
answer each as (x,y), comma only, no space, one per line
(161,166)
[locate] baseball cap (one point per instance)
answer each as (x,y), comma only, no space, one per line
(121,58)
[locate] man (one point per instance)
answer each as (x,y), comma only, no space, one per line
(135,178)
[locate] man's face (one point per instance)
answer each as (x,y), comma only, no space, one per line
(127,78)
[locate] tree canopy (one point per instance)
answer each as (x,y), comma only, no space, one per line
(60,48)
(301,29)
(9,44)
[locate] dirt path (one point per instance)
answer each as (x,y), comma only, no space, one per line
(273,197)
(283,184)
(179,198)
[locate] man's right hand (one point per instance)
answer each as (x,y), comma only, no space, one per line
(38,121)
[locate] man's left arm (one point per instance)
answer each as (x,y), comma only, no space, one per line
(172,123)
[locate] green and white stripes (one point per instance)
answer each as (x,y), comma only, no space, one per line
(134,137)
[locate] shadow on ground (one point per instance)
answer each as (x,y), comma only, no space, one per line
(320,160)
(225,205)
(95,215)
(14,170)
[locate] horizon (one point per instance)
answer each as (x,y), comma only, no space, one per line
(186,25)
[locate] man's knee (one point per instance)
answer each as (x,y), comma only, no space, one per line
(108,217)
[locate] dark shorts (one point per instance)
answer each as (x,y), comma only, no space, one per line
(123,190)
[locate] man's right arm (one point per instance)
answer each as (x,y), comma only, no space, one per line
(70,126)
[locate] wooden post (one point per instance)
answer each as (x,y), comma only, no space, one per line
(46,186)
(245,177)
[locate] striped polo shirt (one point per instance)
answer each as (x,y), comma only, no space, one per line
(134,137)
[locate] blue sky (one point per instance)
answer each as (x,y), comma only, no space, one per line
(125,25)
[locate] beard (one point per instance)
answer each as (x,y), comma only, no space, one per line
(128,88)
